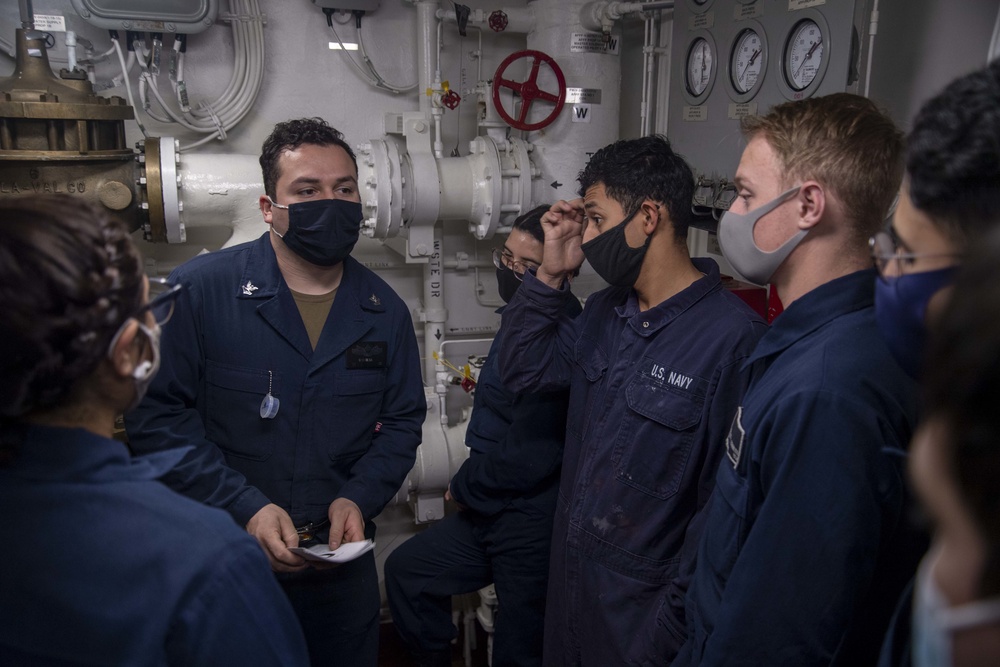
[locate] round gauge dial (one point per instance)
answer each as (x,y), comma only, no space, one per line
(747,60)
(803,54)
(699,66)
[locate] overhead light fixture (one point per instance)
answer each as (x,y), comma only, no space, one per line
(349,46)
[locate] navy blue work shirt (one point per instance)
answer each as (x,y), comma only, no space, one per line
(515,440)
(809,497)
(104,565)
(652,395)
(350,412)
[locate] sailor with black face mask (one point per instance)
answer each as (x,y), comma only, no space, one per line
(293,372)
(506,492)
(654,367)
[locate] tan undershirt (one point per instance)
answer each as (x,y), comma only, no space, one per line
(314,309)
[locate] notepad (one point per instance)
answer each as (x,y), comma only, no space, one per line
(347,551)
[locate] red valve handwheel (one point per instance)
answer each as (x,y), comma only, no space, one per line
(451,99)
(528,90)
(498,21)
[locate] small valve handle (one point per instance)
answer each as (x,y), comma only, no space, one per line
(498,21)
(451,99)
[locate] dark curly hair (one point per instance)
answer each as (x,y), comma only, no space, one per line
(953,155)
(291,134)
(69,276)
(633,170)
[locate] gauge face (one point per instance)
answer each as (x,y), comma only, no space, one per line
(699,66)
(803,54)
(748,60)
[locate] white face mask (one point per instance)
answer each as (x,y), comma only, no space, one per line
(146,370)
(935,623)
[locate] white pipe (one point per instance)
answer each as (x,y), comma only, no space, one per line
(650,92)
(872,31)
(646,55)
(994,42)
(598,16)
(71,49)
(435,314)
(426,19)
(222,190)
(520,20)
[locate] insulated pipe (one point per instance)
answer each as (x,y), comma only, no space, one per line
(561,149)
(222,189)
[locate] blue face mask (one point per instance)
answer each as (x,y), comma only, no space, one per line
(900,312)
(322,232)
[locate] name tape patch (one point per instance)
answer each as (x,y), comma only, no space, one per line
(368,354)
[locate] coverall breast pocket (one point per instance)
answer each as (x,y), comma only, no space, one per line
(355,409)
(594,362)
(656,437)
(232,410)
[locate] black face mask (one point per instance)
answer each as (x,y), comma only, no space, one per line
(612,257)
(323,232)
(507,283)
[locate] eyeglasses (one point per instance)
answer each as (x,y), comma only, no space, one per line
(505,259)
(885,250)
(162,304)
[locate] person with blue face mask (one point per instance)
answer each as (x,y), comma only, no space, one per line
(808,551)
(292,372)
(948,204)
(954,464)
(655,370)
(506,495)
(103,564)
(949,199)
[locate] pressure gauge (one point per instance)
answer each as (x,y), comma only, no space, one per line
(747,60)
(700,63)
(804,54)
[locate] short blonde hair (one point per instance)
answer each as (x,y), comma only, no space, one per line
(846,143)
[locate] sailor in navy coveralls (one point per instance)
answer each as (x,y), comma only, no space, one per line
(293,372)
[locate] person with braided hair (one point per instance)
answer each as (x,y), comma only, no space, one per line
(103,564)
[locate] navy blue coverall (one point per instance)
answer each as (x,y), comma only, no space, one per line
(801,565)
(348,424)
(104,565)
(652,395)
(507,488)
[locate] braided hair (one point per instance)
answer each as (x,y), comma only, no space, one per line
(69,276)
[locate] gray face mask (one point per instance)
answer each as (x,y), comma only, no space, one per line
(739,249)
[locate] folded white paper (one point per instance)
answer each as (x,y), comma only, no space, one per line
(347,551)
